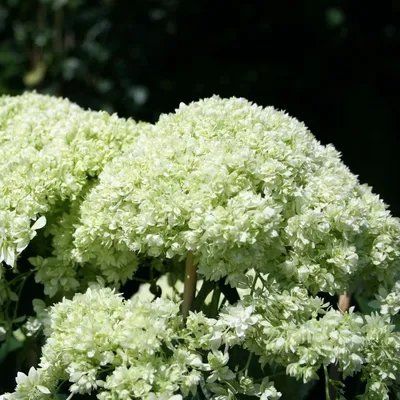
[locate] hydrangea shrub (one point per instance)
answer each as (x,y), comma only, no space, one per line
(248,199)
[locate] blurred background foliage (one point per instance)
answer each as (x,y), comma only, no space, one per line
(334,64)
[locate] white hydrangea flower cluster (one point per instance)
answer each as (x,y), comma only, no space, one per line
(134,350)
(138,350)
(51,150)
(240,186)
(299,333)
(40,322)
(30,387)
(382,356)
(389,301)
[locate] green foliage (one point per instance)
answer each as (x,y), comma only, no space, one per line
(8,346)
(76,49)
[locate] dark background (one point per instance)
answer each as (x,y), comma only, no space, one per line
(333,64)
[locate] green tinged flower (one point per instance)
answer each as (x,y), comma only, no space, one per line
(128,350)
(52,152)
(389,301)
(137,350)
(238,185)
(241,187)
(30,387)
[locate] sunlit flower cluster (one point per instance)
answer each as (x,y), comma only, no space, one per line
(238,185)
(351,341)
(242,187)
(139,350)
(51,152)
(300,333)
(389,301)
(133,350)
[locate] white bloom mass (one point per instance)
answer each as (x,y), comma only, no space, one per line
(52,151)
(241,187)
(249,192)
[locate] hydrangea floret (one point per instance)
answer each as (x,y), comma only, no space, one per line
(264,225)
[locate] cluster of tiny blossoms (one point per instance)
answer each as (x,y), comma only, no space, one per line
(300,333)
(389,301)
(100,344)
(51,150)
(241,187)
(238,185)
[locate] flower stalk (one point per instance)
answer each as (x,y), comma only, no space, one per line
(189,289)
(344,302)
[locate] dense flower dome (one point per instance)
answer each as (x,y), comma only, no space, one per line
(51,152)
(139,350)
(241,187)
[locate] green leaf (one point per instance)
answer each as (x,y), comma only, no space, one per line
(22,318)
(396,322)
(364,304)
(12,344)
